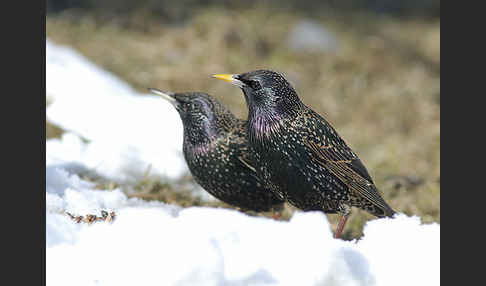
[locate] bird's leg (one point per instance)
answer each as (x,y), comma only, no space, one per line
(341,224)
(345,212)
(277,212)
(277,215)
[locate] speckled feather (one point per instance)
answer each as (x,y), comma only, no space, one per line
(300,155)
(216,151)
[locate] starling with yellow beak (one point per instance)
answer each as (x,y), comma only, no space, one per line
(298,153)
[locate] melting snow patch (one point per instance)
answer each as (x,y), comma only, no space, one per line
(159,244)
(128,134)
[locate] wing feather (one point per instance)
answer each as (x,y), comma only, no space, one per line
(350,171)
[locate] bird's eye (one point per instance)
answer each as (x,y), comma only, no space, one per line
(255,85)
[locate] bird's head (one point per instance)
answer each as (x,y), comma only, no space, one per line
(265,91)
(203,117)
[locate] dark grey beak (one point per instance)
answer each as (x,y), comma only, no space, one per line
(169,96)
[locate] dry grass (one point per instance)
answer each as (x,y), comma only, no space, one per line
(381,91)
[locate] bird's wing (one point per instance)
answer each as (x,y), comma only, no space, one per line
(246,162)
(347,167)
(244,158)
(244,152)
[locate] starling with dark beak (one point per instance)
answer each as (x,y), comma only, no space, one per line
(216,150)
(298,153)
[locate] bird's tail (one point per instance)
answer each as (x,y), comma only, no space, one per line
(388,211)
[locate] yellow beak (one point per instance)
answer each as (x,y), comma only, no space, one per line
(230,78)
(226,77)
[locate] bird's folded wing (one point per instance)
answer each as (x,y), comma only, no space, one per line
(349,170)
(247,163)
(244,158)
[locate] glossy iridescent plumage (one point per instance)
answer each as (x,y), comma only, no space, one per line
(299,154)
(216,150)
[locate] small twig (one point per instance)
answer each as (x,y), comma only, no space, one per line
(91,218)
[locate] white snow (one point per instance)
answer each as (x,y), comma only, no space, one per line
(159,244)
(128,134)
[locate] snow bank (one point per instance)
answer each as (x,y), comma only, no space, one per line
(128,134)
(159,244)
